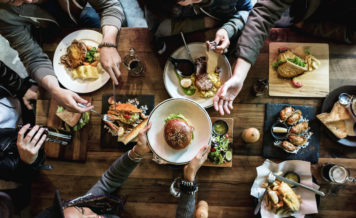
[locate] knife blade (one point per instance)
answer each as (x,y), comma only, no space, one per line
(300,185)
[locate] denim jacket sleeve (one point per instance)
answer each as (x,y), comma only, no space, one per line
(115,176)
(11,83)
(236,23)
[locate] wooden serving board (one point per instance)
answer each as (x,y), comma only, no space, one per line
(77,150)
(230,123)
(315,83)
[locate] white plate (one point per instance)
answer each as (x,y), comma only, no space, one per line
(171,81)
(196,115)
(90,37)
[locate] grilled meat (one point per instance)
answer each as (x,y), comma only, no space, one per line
(300,127)
(294,118)
(286,112)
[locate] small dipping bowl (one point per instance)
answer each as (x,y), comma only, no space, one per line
(292,176)
(279,136)
(220,127)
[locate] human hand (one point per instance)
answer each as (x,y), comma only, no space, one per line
(110,60)
(141,148)
(69,100)
(191,169)
(222,41)
(31,94)
(29,145)
(226,94)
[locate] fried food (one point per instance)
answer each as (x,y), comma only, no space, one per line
(286,112)
(294,118)
(288,146)
(300,127)
(290,70)
(75,54)
(289,197)
(297,139)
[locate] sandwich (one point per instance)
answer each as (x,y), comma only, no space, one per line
(125,113)
(178,133)
(76,121)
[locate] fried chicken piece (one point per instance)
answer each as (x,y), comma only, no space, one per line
(286,112)
(294,118)
(297,139)
(289,196)
(300,127)
(75,54)
(288,146)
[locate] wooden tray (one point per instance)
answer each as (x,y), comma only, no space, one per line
(315,83)
(230,123)
(77,150)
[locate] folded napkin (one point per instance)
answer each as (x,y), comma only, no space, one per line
(302,168)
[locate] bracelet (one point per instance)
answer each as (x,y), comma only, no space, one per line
(188,187)
(107,44)
(136,157)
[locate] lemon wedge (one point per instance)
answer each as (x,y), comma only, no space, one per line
(278,129)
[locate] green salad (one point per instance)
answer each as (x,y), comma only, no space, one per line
(221,150)
(298,61)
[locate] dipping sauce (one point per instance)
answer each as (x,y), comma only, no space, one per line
(220,127)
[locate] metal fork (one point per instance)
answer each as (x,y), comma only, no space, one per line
(104,117)
(270,180)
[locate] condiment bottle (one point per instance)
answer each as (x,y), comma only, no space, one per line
(133,64)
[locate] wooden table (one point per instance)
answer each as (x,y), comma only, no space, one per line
(227,190)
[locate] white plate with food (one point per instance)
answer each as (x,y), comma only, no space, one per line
(76,62)
(180,127)
(172,81)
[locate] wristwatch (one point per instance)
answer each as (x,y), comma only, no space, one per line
(107,44)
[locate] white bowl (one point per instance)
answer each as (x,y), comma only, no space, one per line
(195,114)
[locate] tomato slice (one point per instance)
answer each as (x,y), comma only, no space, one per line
(295,83)
(127,116)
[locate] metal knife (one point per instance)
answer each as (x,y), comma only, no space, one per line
(300,185)
(186,47)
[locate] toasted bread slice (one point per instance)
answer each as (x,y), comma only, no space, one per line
(133,134)
(68,117)
(349,123)
(338,128)
(338,112)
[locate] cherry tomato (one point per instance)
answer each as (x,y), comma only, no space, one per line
(227,135)
(213,149)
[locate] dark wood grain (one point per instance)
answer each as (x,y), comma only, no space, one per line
(227,190)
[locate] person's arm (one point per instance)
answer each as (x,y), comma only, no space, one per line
(236,23)
(186,203)
(12,83)
(118,172)
(260,20)
(112,18)
(38,64)
(22,164)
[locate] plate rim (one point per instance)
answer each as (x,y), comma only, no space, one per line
(90,36)
(166,66)
(172,99)
(324,109)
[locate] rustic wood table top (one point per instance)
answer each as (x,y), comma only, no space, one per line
(227,190)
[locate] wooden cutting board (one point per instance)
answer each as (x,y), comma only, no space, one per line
(230,123)
(315,83)
(77,150)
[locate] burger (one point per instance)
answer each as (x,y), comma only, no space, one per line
(178,133)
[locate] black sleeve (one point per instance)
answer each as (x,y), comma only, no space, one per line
(11,84)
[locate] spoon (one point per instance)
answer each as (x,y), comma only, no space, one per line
(184,67)
(186,47)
